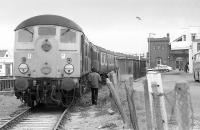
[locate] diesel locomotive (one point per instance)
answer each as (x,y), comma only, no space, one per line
(52,57)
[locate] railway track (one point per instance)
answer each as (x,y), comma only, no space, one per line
(33,119)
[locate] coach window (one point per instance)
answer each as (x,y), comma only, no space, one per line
(67,36)
(42,31)
(198,46)
(102,58)
(197,58)
(25,34)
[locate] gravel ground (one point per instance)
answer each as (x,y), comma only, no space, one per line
(88,117)
(8,104)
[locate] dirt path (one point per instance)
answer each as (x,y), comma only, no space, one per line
(87,117)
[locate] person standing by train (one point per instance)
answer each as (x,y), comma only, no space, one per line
(94,82)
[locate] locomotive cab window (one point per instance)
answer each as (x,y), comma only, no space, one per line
(42,31)
(26,34)
(67,36)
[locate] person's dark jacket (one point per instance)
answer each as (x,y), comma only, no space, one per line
(94,79)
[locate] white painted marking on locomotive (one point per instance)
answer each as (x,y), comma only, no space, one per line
(63,56)
(29,55)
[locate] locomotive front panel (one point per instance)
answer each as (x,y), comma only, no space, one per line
(47,60)
(49,51)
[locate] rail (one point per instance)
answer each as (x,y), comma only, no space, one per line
(59,125)
(15,119)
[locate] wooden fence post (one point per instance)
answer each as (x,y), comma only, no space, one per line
(117,101)
(132,110)
(155,78)
(183,106)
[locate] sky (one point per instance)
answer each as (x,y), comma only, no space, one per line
(111,24)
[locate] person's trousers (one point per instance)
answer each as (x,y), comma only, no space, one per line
(94,92)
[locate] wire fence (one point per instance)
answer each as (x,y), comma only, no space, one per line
(178,106)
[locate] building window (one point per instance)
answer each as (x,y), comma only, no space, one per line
(184,37)
(198,46)
(158,61)
(0,66)
(193,36)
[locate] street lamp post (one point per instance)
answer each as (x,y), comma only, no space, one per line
(149,48)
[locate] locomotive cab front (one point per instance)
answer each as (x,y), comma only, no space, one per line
(47,59)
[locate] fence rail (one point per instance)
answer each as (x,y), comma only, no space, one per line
(6,84)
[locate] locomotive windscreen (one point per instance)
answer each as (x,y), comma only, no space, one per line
(47,31)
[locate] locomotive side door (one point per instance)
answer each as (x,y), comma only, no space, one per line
(82,53)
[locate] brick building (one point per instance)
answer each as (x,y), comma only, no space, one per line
(159,51)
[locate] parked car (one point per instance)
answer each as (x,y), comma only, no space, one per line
(163,68)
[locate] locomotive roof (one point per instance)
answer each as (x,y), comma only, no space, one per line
(49,20)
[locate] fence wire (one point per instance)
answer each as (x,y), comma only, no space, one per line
(170,98)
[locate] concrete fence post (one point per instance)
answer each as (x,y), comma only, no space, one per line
(148,107)
(157,107)
(183,107)
(159,120)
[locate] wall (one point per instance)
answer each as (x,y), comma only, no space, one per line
(159,47)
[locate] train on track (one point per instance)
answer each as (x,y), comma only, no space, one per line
(52,58)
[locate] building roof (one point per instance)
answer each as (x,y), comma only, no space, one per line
(179,45)
(159,39)
(2,53)
(180,38)
(49,20)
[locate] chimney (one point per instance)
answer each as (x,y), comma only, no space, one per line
(167,35)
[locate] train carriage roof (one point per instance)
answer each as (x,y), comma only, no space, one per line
(49,20)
